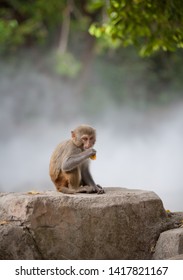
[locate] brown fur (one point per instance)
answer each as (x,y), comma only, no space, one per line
(69,163)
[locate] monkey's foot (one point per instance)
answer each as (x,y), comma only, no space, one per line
(99,186)
(100,190)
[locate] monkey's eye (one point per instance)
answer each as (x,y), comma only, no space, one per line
(84,138)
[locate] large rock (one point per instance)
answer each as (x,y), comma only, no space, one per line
(169,245)
(177,257)
(121,224)
(17,243)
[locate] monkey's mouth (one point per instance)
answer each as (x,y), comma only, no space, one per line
(86,147)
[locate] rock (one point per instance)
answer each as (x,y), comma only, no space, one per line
(17,243)
(177,257)
(120,224)
(170,244)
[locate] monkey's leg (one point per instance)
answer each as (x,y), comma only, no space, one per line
(69,182)
(88,180)
(85,189)
(74,179)
(65,190)
(61,184)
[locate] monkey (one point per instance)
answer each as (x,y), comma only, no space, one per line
(69,163)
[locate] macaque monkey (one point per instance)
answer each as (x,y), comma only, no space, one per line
(69,164)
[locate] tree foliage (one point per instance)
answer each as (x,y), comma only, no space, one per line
(150,25)
(23,22)
(62,26)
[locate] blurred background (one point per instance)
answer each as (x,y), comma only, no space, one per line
(54,76)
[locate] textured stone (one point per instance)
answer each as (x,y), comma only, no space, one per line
(121,224)
(177,257)
(170,244)
(17,243)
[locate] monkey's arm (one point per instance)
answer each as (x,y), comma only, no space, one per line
(86,175)
(72,161)
(87,179)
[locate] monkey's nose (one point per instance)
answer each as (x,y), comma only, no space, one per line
(87,146)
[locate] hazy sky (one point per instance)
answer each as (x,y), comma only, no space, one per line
(149,159)
(135,149)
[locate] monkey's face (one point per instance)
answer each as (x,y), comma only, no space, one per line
(84,136)
(87,141)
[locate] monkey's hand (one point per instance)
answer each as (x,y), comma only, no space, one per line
(92,154)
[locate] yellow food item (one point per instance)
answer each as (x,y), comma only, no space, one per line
(33,192)
(4,222)
(93,157)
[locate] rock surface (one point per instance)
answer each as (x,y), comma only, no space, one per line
(121,224)
(177,257)
(170,244)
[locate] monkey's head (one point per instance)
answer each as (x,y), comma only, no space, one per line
(84,136)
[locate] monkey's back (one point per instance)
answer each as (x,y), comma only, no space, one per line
(61,152)
(56,160)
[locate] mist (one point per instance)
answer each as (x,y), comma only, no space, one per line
(136,149)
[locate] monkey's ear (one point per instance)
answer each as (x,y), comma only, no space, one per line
(73,134)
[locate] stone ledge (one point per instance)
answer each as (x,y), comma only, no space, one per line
(120,224)
(170,244)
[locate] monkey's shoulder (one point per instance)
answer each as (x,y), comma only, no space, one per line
(66,148)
